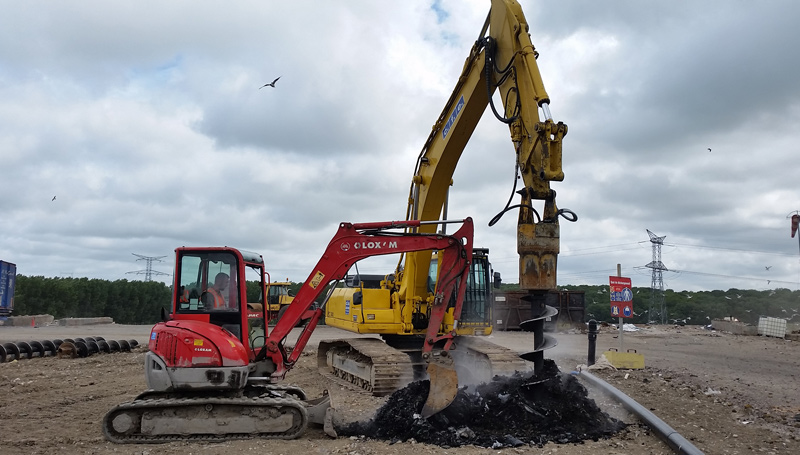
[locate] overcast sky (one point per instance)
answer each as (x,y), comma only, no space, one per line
(145,121)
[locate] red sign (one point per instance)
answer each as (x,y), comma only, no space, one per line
(621,297)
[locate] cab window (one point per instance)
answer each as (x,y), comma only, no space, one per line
(208,282)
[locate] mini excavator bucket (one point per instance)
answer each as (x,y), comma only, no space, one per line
(443,384)
(322,412)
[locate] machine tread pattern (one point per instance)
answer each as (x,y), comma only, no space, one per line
(130,416)
(382,368)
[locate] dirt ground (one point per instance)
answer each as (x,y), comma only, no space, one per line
(727,394)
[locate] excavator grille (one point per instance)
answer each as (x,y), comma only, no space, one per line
(167,347)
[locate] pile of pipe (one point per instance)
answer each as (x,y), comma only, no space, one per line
(68,348)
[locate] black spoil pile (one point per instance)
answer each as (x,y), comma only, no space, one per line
(507,412)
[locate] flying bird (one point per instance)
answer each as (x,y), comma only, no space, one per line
(54,198)
(271,84)
(709,149)
(767,267)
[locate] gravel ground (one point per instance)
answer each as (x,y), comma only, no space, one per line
(727,394)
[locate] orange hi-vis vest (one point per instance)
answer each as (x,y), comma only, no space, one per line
(219,300)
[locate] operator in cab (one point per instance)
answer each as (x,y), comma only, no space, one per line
(218,292)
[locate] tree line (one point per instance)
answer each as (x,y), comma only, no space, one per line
(696,308)
(140,302)
(127,302)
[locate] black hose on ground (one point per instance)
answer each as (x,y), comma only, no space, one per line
(677,443)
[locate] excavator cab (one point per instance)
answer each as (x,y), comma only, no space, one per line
(208,289)
(476,313)
(203,296)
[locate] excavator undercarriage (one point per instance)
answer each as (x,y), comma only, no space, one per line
(380,367)
(272,412)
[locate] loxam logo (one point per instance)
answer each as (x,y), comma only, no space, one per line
(374,245)
(202,350)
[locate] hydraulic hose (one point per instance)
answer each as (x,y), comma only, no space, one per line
(677,443)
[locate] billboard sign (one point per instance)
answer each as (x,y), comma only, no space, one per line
(8,277)
(621,297)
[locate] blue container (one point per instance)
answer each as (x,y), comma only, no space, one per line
(8,277)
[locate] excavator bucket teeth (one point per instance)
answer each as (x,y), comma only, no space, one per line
(443,386)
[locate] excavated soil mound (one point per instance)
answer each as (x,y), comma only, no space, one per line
(508,412)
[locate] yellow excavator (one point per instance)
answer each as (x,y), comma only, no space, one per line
(397,306)
(278,298)
(213,363)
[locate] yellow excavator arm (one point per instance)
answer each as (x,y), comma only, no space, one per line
(503,58)
(399,306)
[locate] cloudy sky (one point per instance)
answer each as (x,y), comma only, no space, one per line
(145,121)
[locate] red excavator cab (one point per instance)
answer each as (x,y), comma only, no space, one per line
(209,340)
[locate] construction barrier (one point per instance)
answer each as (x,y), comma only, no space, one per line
(72,322)
(36,320)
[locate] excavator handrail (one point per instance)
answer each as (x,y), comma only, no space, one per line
(383,225)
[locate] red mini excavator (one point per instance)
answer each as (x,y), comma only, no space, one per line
(213,364)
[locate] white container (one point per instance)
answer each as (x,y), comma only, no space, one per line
(772,327)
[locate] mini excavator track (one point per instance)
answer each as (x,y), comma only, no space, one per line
(158,418)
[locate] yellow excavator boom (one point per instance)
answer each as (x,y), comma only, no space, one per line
(502,59)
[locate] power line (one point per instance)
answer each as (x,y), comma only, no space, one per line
(690,272)
(602,250)
(589,273)
(602,247)
(728,249)
(571,253)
